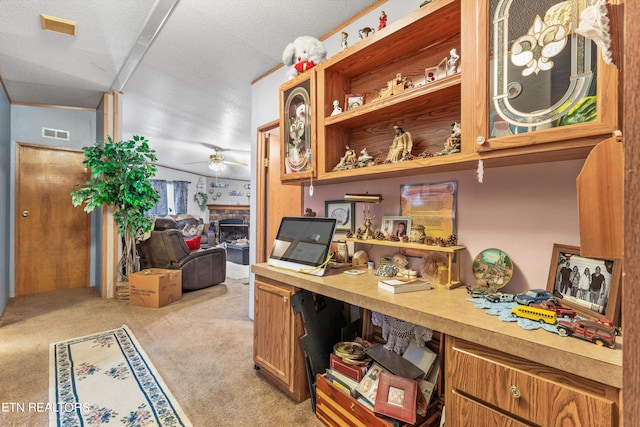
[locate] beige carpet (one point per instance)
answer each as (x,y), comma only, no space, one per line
(201,346)
(238,271)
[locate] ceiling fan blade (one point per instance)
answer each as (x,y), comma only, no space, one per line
(228,162)
(218,148)
(195,163)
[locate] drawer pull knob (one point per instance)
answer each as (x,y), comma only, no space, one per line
(515,393)
(353,407)
(285,299)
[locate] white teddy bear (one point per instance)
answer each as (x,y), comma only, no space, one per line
(304,53)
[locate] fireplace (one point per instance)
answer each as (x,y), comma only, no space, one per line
(232,229)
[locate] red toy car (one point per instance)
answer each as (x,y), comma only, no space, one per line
(589,330)
(560,310)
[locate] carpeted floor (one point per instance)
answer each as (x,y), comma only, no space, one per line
(238,271)
(201,346)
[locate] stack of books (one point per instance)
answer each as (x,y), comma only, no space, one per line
(401,285)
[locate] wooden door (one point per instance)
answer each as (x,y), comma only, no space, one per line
(52,237)
(274,199)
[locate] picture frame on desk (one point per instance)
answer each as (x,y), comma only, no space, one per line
(595,293)
(393,226)
(396,397)
(343,212)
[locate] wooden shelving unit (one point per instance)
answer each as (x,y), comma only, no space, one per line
(453,267)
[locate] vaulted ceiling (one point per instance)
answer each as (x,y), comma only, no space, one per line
(184,67)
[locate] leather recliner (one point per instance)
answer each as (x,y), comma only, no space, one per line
(200,268)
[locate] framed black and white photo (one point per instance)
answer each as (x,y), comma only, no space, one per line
(591,286)
(343,212)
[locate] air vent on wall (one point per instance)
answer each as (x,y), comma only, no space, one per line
(58,25)
(55,133)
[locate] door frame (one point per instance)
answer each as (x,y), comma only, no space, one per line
(261,188)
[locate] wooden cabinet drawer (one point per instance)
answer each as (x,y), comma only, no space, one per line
(335,408)
(469,412)
(524,389)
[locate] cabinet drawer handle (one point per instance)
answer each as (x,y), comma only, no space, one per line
(353,406)
(515,393)
(285,299)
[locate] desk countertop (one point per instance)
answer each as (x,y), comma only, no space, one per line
(449,312)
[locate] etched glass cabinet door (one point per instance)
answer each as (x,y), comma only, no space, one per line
(298,127)
(545,77)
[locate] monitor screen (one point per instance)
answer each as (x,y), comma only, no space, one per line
(303,243)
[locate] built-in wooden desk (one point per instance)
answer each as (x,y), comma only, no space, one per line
(449,312)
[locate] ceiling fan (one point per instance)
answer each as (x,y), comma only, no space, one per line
(216,160)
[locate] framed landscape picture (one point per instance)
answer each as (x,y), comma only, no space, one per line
(343,212)
(591,286)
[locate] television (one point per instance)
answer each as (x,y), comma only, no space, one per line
(303,244)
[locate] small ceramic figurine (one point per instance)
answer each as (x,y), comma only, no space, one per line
(336,108)
(401,146)
(343,42)
(364,32)
(383,20)
(452,63)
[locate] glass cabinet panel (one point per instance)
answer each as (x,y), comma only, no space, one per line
(542,72)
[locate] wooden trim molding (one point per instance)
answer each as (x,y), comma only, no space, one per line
(228,207)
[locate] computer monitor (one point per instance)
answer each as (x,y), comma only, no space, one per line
(303,244)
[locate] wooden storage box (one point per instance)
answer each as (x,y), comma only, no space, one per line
(155,287)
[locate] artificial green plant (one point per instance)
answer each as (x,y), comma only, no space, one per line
(120,177)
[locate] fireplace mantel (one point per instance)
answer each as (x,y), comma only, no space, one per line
(228,207)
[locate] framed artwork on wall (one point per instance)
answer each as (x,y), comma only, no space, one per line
(590,286)
(297,129)
(343,212)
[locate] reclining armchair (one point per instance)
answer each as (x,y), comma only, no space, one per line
(201,268)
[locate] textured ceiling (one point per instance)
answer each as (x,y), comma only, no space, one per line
(193,84)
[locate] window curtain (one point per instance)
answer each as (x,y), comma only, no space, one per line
(160,208)
(181,196)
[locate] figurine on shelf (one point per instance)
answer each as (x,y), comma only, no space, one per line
(364,158)
(343,42)
(347,161)
(349,155)
(401,146)
(452,62)
(336,108)
(383,20)
(364,32)
(452,144)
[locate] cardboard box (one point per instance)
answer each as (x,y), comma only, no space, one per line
(155,287)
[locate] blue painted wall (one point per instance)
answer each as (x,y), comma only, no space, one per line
(26,123)
(5,143)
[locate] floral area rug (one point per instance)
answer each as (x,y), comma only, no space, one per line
(107,379)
